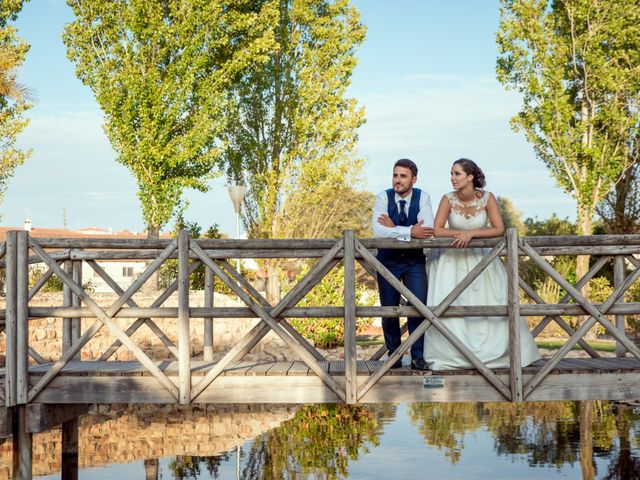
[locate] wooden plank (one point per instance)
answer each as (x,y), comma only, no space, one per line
(349,317)
(184,342)
(42,417)
(280,368)
(22,317)
(337,367)
(11,332)
(67,301)
(260,369)
(207,339)
(311,389)
(240,368)
(299,368)
(76,323)
(22,445)
(618,280)
(6,421)
(513,307)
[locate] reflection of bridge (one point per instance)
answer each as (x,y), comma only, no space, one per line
(311,378)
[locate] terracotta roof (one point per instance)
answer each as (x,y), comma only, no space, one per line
(62,233)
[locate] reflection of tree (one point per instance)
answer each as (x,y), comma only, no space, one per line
(624,465)
(444,424)
(318,441)
(184,467)
(550,433)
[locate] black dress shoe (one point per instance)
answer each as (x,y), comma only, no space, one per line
(398,364)
(419,364)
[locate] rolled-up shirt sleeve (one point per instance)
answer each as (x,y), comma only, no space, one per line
(426,212)
(397,232)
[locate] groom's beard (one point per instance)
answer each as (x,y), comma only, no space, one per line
(401,189)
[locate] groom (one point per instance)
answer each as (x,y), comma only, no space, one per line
(403,212)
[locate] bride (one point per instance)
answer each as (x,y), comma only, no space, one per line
(465,212)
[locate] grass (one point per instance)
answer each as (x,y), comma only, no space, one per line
(598,345)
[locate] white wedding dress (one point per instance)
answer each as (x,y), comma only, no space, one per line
(486,337)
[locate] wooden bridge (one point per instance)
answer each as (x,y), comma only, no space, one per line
(32,389)
(310,378)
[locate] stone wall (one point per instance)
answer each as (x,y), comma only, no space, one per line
(120,434)
(45,335)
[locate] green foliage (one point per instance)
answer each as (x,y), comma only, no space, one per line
(54,283)
(161,72)
(294,134)
(620,209)
(552,226)
(168,272)
(13,96)
(510,215)
(329,332)
(577,65)
(317,443)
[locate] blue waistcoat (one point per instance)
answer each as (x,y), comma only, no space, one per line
(390,256)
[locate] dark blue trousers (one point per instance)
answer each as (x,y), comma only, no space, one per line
(414,277)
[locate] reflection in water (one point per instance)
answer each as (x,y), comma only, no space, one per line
(586,440)
(591,439)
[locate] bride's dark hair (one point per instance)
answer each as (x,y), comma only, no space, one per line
(471,168)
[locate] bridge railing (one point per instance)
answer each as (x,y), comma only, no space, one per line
(64,257)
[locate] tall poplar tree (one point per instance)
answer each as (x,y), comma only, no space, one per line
(161,71)
(577,65)
(14,97)
(295,130)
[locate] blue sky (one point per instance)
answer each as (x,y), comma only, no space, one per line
(425,77)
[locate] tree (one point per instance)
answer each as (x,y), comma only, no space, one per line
(577,65)
(161,72)
(511,216)
(620,209)
(295,131)
(14,97)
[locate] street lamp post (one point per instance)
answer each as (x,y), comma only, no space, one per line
(237,194)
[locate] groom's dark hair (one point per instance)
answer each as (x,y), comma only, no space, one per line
(406,163)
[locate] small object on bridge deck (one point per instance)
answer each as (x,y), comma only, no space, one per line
(433,381)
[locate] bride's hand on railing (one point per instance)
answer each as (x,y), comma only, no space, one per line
(461,240)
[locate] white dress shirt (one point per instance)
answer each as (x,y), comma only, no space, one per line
(425,213)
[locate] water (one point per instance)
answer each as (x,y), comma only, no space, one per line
(445,441)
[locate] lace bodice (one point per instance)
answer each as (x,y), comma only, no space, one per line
(467,216)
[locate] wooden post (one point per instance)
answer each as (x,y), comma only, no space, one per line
(67,301)
(618,279)
(513,309)
(22,446)
(11,333)
(184,345)
(151,467)
(22,317)
(76,323)
(208,321)
(69,469)
(350,353)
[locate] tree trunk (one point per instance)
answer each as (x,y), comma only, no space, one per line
(273,284)
(585,227)
(586,440)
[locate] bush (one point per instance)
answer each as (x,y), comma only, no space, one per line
(329,332)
